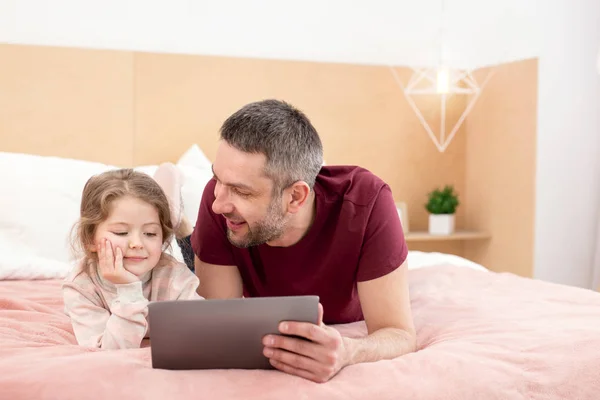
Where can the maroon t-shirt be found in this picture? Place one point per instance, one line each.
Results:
(356, 236)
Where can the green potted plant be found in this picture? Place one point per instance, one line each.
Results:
(442, 206)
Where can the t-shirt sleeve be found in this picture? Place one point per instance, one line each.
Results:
(209, 239)
(384, 246)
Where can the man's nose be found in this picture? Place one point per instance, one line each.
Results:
(222, 204)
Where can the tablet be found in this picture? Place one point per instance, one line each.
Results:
(221, 334)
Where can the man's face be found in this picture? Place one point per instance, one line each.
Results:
(244, 196)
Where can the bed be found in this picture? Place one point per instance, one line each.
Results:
(481, 334)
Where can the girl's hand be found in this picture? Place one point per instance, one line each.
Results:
(111, 267)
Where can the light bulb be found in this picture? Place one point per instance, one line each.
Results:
(443, 80)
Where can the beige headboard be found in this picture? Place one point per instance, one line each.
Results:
(130, 108)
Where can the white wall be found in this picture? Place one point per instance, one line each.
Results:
(396, 32)
(568, 152)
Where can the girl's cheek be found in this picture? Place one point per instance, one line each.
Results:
(121, 243)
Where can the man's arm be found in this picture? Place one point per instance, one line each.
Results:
(386, 307)
(218, 281)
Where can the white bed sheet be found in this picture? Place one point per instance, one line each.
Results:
(420, 259)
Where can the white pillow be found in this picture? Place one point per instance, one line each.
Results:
(194, 157)
(39, 203)
(194, 181)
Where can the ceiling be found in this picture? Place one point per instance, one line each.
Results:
(388, 32)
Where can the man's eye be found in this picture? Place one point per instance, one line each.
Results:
(241, 194)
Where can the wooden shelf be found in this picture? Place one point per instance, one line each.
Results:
(458, 235)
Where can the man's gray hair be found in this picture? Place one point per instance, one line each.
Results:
(283, 134)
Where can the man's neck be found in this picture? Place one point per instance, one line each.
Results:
(299, 225)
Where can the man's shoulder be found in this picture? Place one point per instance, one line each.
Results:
(350, 183)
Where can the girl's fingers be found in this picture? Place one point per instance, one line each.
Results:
(101, 253)
(109, 258)
(119, 259)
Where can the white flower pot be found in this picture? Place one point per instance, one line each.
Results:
(441, 224)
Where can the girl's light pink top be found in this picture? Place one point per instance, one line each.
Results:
(112, 316)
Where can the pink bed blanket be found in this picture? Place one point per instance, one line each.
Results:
(481, 336)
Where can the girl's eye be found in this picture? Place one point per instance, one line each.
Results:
(151, 234)
(120, 233)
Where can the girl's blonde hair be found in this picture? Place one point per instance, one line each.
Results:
(98, 194)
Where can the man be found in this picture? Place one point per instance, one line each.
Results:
(274, 222)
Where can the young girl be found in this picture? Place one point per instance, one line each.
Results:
(125, 227)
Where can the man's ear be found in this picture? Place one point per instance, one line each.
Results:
(298, 194)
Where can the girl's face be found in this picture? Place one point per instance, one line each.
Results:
(133, 226)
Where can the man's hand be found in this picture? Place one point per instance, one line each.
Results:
(111, 267)
(318, 359)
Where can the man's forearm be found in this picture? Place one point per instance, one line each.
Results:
(383, 344)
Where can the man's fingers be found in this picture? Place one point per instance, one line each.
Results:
(291, 359)
(309, 363)
(297, 371)
(312, 332)
(294, 345)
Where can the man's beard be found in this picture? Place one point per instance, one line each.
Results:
(270, 228)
